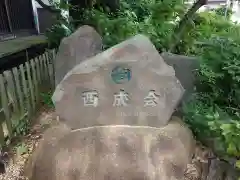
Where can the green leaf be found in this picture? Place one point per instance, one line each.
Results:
(226, 127)
(232, 150)
(238, 165)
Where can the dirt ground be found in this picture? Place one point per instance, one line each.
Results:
(47, 118)
(15, 165)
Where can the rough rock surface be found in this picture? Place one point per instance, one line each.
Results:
(85, 42)
(128, 84)
(114, 152)
(50, 138)
(184, 67)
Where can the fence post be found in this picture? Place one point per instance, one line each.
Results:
(41, 68)
(54, 65)
(11, 90)
(25, 91)
(45, 59)
(29, 80)
(35, 83)
(5, 106)
(19, 91)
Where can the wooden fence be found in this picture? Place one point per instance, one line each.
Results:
(20, 90)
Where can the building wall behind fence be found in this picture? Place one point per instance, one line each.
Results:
(20, 91)
(46, 18)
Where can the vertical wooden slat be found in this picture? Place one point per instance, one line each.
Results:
(5, 106)
(38, 69)
(27, 57)
(25, 91)
(45, 68)
(12, 91)
(53, 57)
(35, 84)
(19, 91)
(38, 73)
(30, 83)
(54, 54)
(53, 66)
(41, 68)
(54, 63)
(2, 138)
(49, 69)
(51, 72)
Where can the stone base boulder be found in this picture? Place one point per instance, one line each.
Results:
(113, 152)
(50, 138)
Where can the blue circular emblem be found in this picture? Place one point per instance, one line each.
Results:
(121, 74)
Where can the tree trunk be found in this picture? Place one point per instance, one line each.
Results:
(49, 8)
(179, 30)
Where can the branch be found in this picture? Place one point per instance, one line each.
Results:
(179, 30)
(49, 8)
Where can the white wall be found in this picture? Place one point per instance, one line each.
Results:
(64, 13)
(236, 9)
(236, 12)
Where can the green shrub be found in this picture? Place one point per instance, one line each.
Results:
(154, 18)
(47, 99)
(56, 33)
(213, 113)
(63, 27)
(222, 11)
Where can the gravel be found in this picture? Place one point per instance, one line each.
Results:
(14, 171)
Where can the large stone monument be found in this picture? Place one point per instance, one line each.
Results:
(116, 113)
(128, 84)
(85, 42)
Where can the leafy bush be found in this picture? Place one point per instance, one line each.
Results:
(56, 33)
(63, 26)
(222, 11)
(205, 26)
(154, 18)
(214, 126)
(213, 113)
